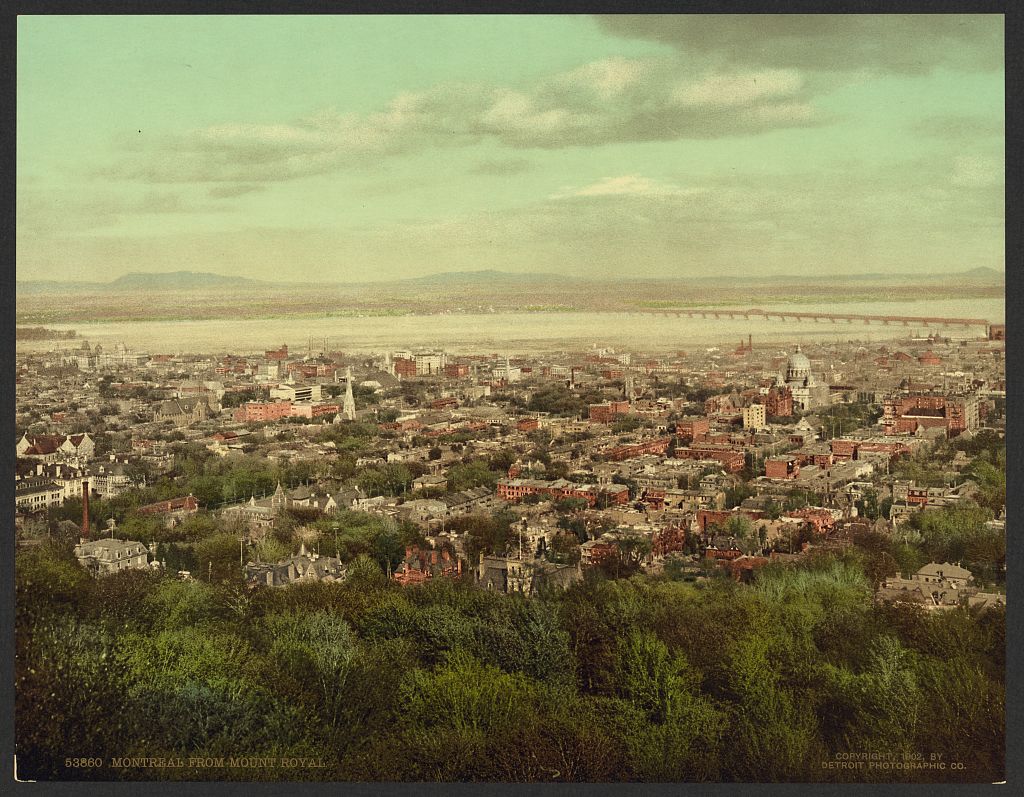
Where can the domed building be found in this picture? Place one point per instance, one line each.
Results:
(807, 392)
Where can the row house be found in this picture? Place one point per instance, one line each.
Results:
(844, 449)
(904, 414)
(731, 460)
(518, 489)
(658, 447)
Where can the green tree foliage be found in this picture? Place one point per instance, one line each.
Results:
(637, 678)
(476, 473)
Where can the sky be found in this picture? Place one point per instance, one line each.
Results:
(355, 148)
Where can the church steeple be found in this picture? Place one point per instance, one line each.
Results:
(349, 407)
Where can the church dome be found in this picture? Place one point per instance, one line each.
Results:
(798, 366)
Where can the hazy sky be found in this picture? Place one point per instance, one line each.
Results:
(355, 147)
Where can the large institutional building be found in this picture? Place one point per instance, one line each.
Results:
(807, 392)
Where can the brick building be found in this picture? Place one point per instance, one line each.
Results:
(731, 460)
(608, 412)
(262, 411)
(785, 467)
(517, 489)
(692, 428)
(905, 414)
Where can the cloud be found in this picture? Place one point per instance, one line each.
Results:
(614, 100)
(502, 166)
(48, 212)
(861, 217)
(977, 171)
(899, 43)
(728, 91)
(228, 191)
(626, 185)
(958, 127)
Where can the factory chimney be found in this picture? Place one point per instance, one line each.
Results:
(85, 510)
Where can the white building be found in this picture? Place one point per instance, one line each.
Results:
(430, 363)
(754, 417)
(806, 390)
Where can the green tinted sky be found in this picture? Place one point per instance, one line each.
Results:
(333, 148)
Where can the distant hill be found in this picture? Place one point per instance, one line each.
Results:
(179, 281)
(184, 281)
(161, 281)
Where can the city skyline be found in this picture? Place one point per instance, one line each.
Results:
(369, 148)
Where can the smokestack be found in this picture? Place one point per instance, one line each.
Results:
(85, 509)
(750, 342)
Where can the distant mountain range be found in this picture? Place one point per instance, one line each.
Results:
(184, 281)
(162, 281)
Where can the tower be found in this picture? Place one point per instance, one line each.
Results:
(349, 407)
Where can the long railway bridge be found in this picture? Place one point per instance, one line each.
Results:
(793, 315)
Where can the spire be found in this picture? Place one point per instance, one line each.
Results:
(349, 407)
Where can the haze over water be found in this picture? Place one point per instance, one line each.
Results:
(522, 332)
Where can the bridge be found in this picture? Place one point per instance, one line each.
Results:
(793, 315)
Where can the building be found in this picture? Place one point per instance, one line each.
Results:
(422, 565)
(104, 556)
(296, 393)
(518, 489)
(523, 576)
(404, 367)
(56, 448)
(909, 497)
(778, 402)
(806, 391)
(182, 412)
(262, 411)
(731, 460)
(456, 370)
(657, 446)
(938, 586)
(303, 567)
(755, 417)
(608, 411)
(692, 428)
(173, 510)
(430, 481)
(36, 494)
(906, 414)
(783, 467)
(430, 363)
(312, 411)
(110, 479)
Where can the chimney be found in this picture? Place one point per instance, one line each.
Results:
(85, 509)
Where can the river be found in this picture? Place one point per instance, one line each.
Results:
(520, 332)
